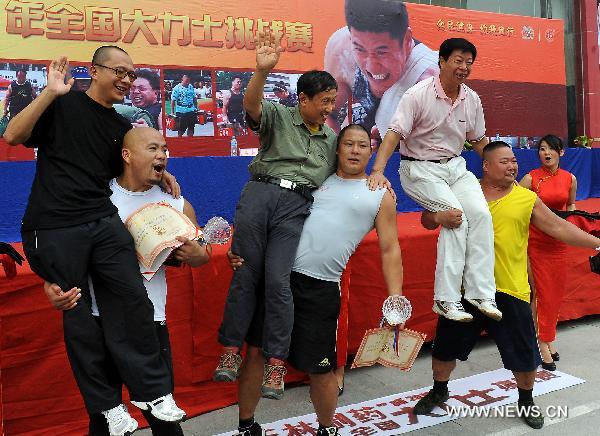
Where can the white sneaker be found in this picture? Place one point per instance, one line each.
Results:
(120, 422)
(487, 307)
(163, 408)
(453, 310)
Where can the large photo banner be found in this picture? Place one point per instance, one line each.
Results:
(194, 60)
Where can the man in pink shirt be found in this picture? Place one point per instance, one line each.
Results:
(432, 122)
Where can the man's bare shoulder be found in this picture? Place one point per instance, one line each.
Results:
(338, 56)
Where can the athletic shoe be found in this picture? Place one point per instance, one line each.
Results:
(531, 414)
(272, 386)
(453, 310)
(426, 404)
(120, 422)
(163, 408)
(254, 430)
(228, 368)
(487, 307)
(328, 431)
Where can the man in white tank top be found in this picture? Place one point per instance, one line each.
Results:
(145, 159)
(343, 212)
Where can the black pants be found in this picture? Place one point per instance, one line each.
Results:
(104, 250)
(187, 122)
(268, 224)
(98, 425)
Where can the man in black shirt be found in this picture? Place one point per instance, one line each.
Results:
(233, 106)
(19, 94)
(71, 230)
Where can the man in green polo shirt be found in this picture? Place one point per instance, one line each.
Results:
(297, 153)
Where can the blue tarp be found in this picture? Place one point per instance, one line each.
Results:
(213, 184)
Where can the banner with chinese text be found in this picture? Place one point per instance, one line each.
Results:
(519, 72)
(392, 415)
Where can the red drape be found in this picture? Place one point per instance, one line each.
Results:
(39, 395)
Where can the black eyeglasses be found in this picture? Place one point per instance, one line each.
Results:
(120, 72)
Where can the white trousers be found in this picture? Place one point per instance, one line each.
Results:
(465, 255)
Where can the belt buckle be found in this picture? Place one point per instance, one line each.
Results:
(445, 160)
(287, 184)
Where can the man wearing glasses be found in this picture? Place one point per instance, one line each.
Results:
(71, 230)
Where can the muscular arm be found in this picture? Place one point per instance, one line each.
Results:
(551, 224)
(391, 255)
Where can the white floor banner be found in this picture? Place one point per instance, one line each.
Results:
(489, 394)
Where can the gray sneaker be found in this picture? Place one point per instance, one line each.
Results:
(273, 386)
(228, 368)
(487, 307)
(453, 310)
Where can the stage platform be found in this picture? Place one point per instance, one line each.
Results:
(38, 392)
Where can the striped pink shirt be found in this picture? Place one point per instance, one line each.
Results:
(434, 128)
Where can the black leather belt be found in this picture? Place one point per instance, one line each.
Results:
(442, 161)
(303, 190)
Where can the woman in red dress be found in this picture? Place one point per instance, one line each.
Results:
(556, 188)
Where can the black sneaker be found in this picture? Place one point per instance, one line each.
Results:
(426, 404)
(254, 430)
(531, 414)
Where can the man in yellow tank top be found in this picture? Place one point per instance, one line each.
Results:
(513, 208)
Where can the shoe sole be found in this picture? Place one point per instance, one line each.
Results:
(159, 416)
(491, 315)
(496, 316)
(225, 377)
(271, 394)
(129, 432)
(549, 366)
(445, 315)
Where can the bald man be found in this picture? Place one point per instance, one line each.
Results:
(144, 156)
(71, 230)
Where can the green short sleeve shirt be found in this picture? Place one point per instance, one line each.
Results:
(289, 150)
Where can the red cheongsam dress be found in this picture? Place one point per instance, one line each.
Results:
(547, 255)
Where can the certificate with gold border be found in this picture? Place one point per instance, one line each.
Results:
(155, 228)
(378, 346)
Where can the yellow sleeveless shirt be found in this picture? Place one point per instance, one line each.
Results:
(511, 215)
